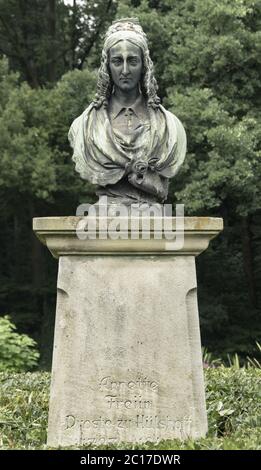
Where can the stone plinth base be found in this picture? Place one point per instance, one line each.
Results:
(127, 361)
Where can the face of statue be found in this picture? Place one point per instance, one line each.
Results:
(125, 63)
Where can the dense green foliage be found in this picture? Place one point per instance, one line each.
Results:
(233, 403)
(207, 61)
(17, 352)
(45, 38)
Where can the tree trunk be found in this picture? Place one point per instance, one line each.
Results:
(248, 260)
(51, 6)
(74, 34)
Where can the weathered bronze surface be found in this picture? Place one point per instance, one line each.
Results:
(126, 142)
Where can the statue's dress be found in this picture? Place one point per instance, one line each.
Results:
(104, 151)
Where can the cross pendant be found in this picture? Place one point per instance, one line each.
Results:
(128, 115)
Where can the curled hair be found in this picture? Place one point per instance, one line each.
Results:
(148, 81)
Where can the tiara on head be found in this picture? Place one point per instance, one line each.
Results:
(130, 22)
(126, 24)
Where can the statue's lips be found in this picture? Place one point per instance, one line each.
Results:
(125, 79)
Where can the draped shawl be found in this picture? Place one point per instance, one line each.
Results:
(101, 155)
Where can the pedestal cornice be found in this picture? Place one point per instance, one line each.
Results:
(67, 235)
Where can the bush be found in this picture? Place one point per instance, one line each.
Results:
(233, 404)
(17, 352)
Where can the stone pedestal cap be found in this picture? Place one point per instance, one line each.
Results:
(108, 236)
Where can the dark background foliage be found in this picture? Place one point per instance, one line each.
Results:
(207, 62)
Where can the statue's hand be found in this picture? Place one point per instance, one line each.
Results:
(135, 180)
(139, 167)
(128, 168)
(153, 161)
(151, 183)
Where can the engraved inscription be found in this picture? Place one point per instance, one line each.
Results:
(135, 403)
(138, 421)
(128, 394)
(140, 384)
(103, 429)
(130, 411)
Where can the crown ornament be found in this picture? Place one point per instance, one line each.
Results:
(126, 24)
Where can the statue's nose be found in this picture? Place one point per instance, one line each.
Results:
(125, 69)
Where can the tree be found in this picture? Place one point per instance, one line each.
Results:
(43, 39)
(37, 178)
(208, 55)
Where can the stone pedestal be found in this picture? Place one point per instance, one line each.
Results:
(127, 361)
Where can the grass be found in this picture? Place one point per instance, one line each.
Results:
(233, 402)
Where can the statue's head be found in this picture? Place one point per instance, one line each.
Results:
(126, 43)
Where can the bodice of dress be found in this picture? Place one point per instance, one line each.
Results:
(128, 123)
(127, 119)
(129, 152)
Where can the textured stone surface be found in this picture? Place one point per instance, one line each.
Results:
(59, 234)
(127, 359)
(127, 355)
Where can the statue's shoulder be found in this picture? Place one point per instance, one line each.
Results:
(169, 115)
(173, 121)
(80, 121)
(86, 112)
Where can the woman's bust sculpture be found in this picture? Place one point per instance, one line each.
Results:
(126, 142)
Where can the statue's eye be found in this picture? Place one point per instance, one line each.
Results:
(133, 61)
(116, 61)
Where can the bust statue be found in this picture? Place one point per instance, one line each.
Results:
(126, 142)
